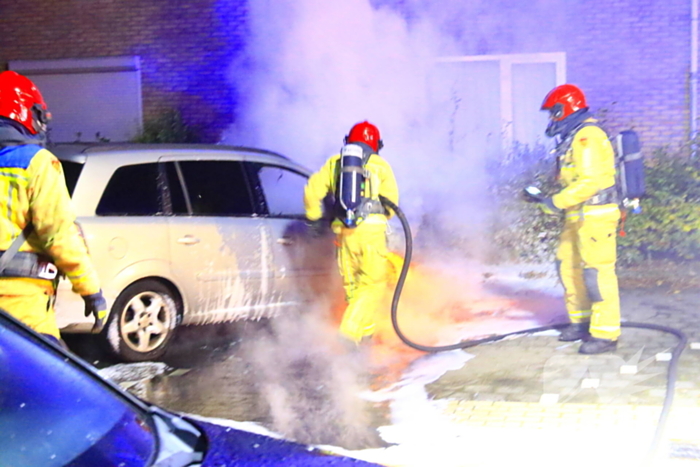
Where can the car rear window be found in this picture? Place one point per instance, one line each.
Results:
(71, 170)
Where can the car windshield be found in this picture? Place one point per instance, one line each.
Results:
(54, 413)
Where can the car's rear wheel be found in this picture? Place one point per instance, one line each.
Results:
(142, 322)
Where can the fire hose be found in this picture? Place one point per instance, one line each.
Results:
(672, 367)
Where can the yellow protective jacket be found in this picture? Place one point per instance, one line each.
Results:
(34, 190)
(381, 182)
(586, 168)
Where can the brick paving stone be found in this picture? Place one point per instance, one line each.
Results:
(577, 416)
(509, 378)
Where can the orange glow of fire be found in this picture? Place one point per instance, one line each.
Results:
(437, 304)
(431, 302)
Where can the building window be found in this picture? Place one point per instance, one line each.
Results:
(497, 98)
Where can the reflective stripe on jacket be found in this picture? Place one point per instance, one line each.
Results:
(34, 190)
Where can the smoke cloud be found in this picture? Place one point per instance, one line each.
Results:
(312, 69)
(311, 381)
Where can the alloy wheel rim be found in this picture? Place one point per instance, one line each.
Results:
(145, 322)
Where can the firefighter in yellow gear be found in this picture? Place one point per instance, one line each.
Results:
(587, 249)
(356, 178)
(38, 235)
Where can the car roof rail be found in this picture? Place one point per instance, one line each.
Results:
(78, 148)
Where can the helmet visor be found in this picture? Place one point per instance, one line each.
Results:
(556, 112)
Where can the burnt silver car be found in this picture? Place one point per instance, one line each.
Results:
(184, 235)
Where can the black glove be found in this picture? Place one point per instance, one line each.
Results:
(547, 206)
(532, 194)
(95, 304)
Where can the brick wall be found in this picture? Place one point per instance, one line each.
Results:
(186, 47)
(631, 57)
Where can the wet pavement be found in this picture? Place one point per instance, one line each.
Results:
(300, 383)
(532, 394)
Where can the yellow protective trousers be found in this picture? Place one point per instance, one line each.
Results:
(31, 302)
(586, 262)
(364, 265)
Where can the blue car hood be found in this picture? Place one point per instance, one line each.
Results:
(230, 447)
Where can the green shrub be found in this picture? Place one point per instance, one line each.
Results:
(669, 225)
(667, 228)
(168, 127)
(520, 231)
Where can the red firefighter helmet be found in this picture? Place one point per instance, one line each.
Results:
(564, 100)
(365, 132)
(21, 101)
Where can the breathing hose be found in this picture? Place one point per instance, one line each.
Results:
(672, 367)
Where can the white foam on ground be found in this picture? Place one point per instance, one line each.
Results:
(524, 277)
(423, 434)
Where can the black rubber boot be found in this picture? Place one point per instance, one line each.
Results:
(595, 345)
(574, 332)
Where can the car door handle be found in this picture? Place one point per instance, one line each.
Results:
(285, 241)
(188, 240)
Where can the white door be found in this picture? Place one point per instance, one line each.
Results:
(530, 84)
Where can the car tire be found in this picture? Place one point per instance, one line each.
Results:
(142, 322)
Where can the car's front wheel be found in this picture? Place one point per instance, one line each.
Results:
(142, 322)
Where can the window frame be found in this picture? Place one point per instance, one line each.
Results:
(260, 200)
(183, 186)
(161, 192)
(506, 63)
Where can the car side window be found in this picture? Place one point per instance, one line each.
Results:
(133, 190)
(282, 190)
(213, 188)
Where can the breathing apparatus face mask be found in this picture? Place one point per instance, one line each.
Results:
(562, 127)
(553, 127)
(41, 120)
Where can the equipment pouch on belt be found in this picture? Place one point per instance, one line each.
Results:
(30, 265)
(606, 196)
(371, 206)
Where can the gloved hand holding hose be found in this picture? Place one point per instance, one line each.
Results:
(95, 304)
